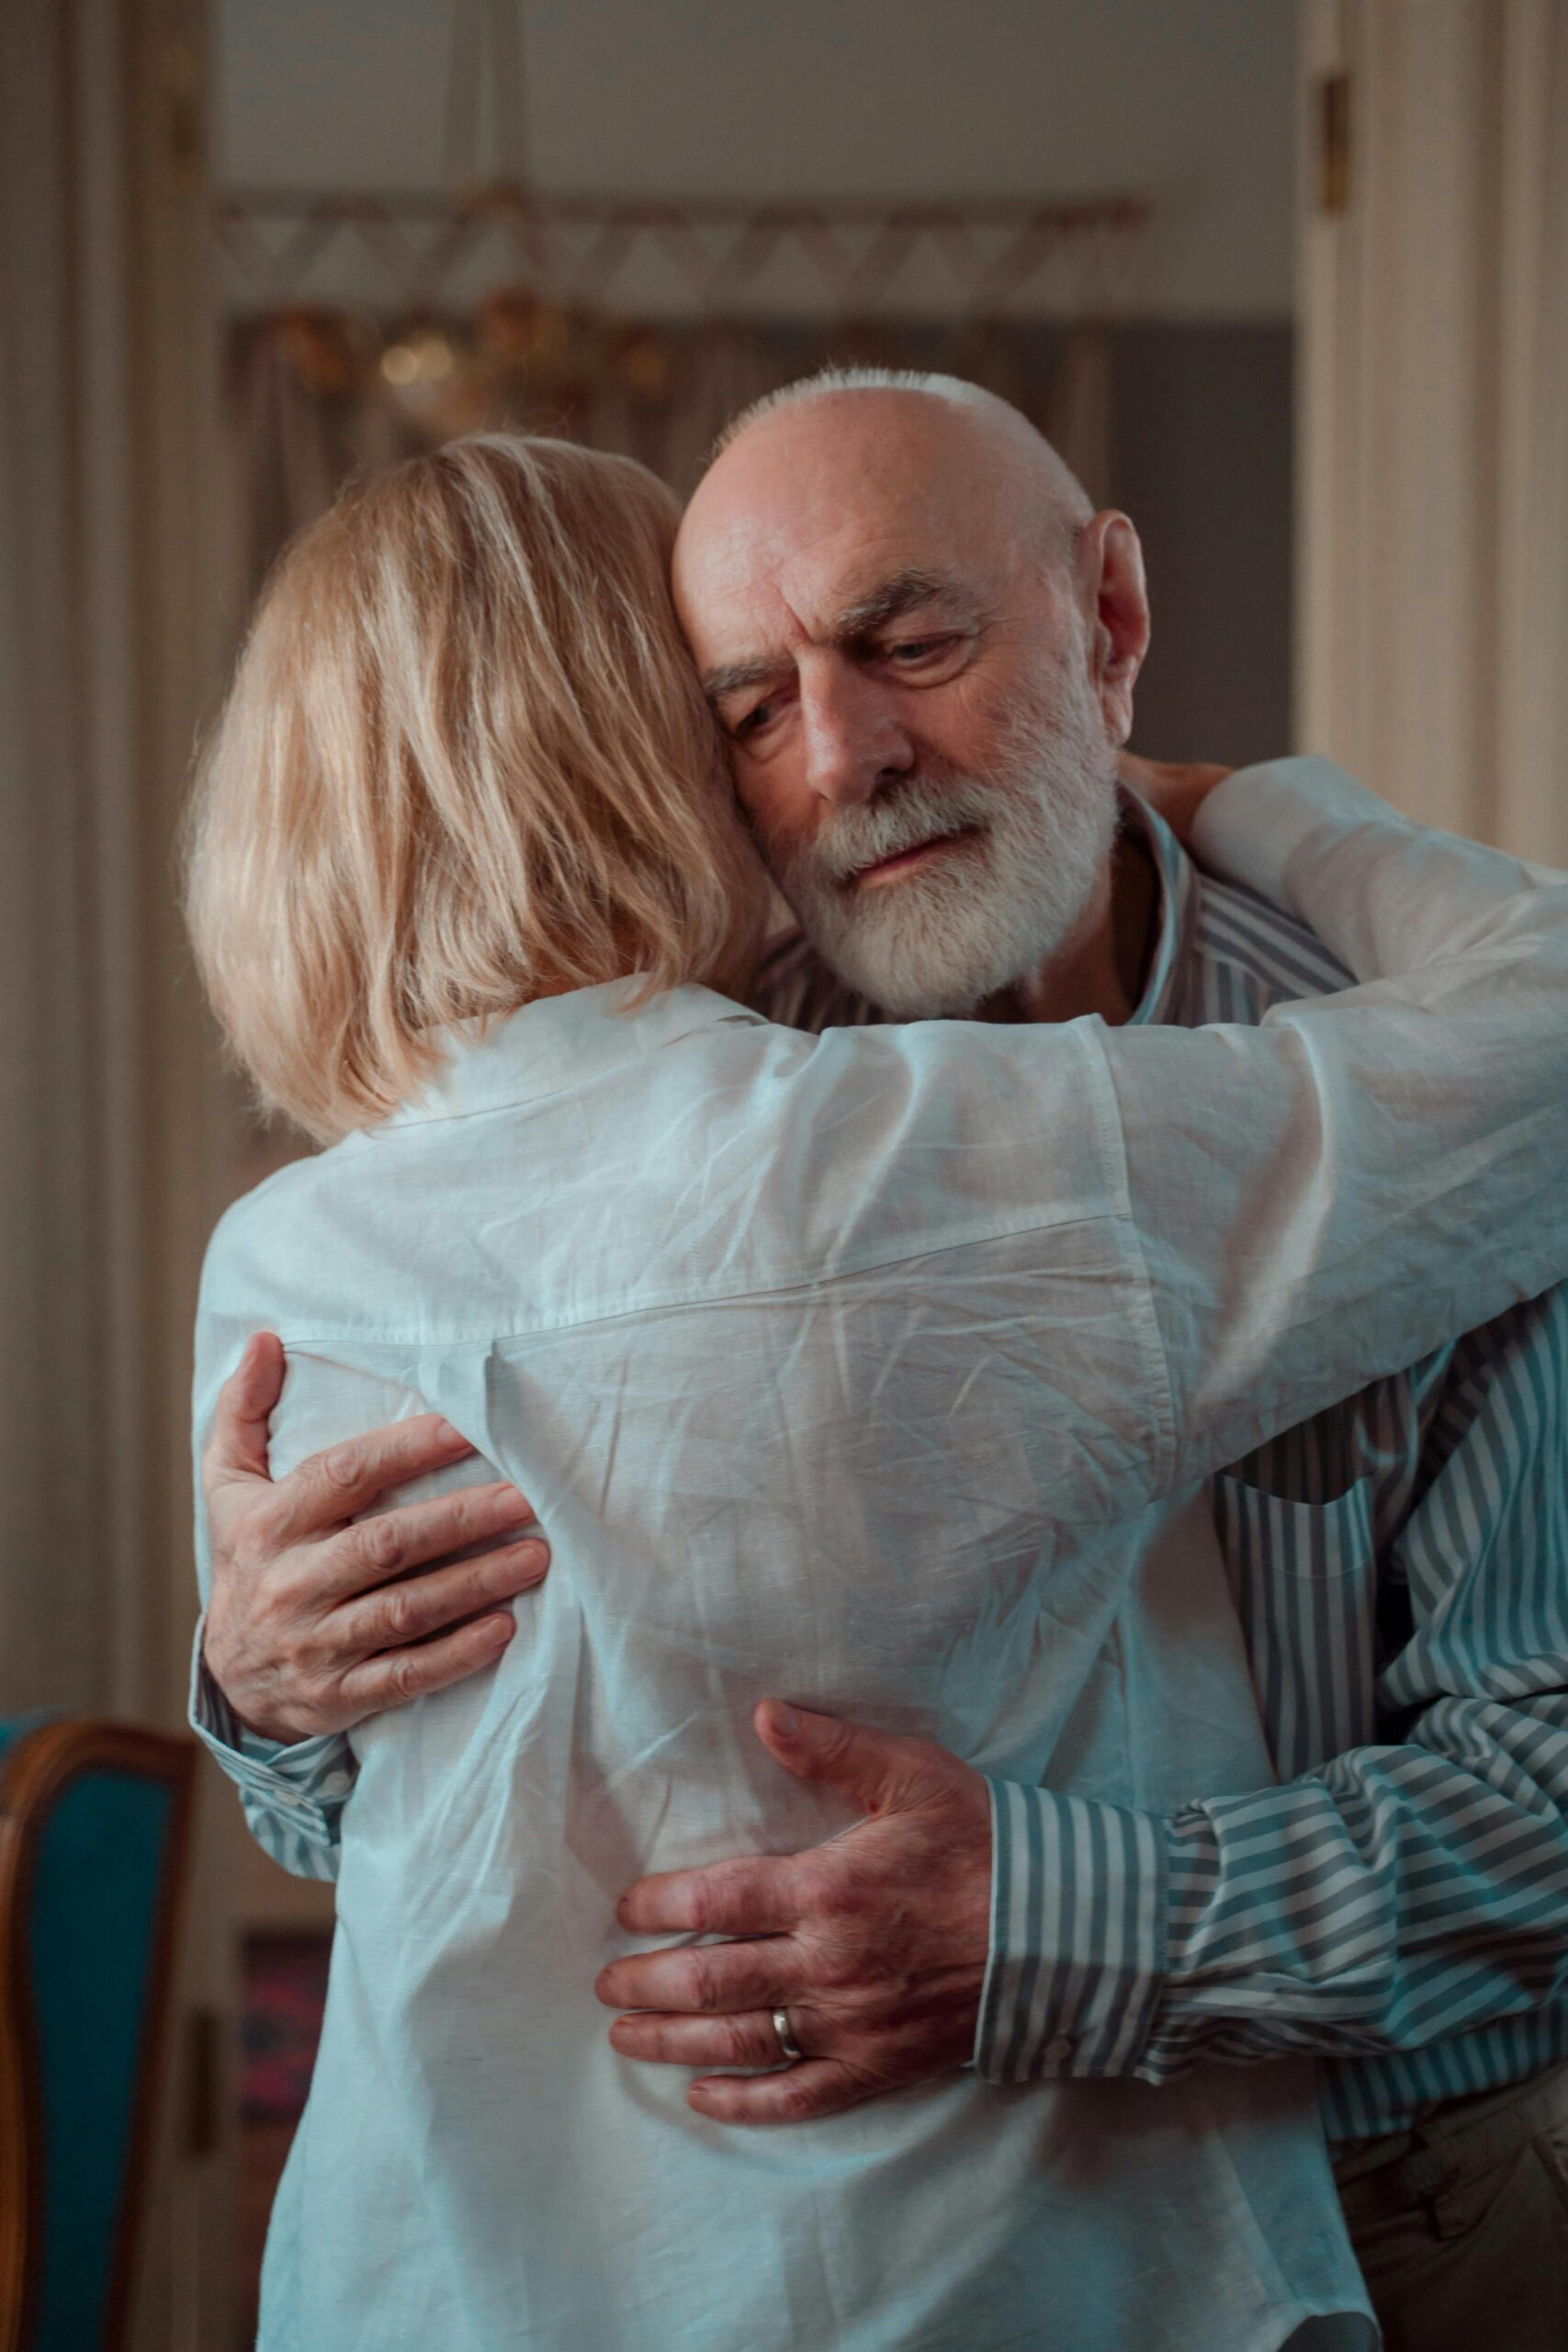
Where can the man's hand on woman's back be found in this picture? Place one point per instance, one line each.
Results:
(873, 1947)
(316, 1619)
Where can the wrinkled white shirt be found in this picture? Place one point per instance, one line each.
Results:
(878, 1371)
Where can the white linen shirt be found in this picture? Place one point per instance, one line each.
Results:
(878, 1371)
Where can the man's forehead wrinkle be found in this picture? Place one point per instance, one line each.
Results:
(746, 558)
(768, 583)
(755, 666)
(893, 595)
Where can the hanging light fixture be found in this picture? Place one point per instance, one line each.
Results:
(523, 345)
(547, 317)
(486, 53)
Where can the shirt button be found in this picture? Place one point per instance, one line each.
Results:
(1059, 2049)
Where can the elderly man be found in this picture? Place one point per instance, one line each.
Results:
(923, 645)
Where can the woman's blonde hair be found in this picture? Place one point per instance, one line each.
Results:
(464, 763)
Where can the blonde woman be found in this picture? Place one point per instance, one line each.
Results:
(879, 1369)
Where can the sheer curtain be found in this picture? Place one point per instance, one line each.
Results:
(107, 1092)
(106, 631)
(1433, 417)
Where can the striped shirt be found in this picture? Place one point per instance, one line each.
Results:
(1398, 1905)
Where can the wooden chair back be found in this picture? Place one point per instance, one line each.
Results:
(94, 1827)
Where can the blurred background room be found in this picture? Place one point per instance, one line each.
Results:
(1289, 283)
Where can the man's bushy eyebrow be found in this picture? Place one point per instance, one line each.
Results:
(736, 676)
(901, 594)
(904, 591)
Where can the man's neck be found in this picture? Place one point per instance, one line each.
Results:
(1103, 967)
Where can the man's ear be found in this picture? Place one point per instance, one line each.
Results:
(1116, 600)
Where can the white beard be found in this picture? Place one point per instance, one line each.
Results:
(937, 942)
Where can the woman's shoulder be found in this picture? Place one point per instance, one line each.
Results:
(279, 1249)
(276, 1196)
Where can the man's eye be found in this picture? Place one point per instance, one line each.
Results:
(913, 651)
(754, 720)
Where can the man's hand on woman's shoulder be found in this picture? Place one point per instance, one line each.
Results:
(315, 1618)
(1175, 789)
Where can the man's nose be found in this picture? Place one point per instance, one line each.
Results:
(854, 740)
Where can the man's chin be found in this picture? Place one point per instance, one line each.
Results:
(918, 995)
(939, 948)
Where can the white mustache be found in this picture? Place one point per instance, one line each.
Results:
(920, 812)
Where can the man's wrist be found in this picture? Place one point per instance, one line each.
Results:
(225, 1730)
(1078, 1933)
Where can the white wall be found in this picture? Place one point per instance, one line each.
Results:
(1191, 100)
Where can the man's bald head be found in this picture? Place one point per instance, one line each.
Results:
(920, 641)
(991, 437)
(877, 437)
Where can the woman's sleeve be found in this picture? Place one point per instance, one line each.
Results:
(1320, 1200)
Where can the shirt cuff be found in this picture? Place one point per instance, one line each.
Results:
(308, 1780)
(1077, 1960)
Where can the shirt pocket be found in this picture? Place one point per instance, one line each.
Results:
(1304, 1577)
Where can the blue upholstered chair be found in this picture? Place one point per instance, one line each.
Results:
(92, 1822)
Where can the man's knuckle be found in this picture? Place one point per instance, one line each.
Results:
(468, 1517)
(701, 1905)
(703, 1981)
(405, 1678)
(272, 1600)
(340, 1465)
(252, 1558)
(296, 1647)
(737, 2044)
(299, 1639)
(381, 1546)
(300, 1681)
(844, 1895)
(400, 1615)
(839, 1955)
(840, 1969)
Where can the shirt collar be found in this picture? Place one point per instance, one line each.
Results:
(557, 1042)
(1176, 879)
